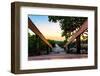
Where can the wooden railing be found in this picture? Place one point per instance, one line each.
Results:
(33, 28)
(79, 32)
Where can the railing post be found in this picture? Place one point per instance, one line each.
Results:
(78, 46)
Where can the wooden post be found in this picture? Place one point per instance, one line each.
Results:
(78, 44)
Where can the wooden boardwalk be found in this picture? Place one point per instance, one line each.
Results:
(58, 56)
(32, 26)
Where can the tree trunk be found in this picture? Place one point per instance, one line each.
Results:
(78, 44)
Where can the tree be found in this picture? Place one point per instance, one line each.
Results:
(36, 46)
(68, 25)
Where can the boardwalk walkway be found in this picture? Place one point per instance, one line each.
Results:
(58, 53)
(58, 56)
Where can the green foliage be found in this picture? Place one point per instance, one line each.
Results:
(60, 43)
(36, 46)
(67, 24)
(31, 41)
(52, 42)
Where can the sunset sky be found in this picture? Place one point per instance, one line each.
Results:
(50, 30)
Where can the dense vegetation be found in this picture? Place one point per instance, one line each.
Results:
(37, 47)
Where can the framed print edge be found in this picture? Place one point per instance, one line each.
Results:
(15, 37)
(96, 38)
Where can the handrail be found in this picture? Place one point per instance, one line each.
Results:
(32, 26)
(80, 31)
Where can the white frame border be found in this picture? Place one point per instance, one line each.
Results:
(25, 64)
